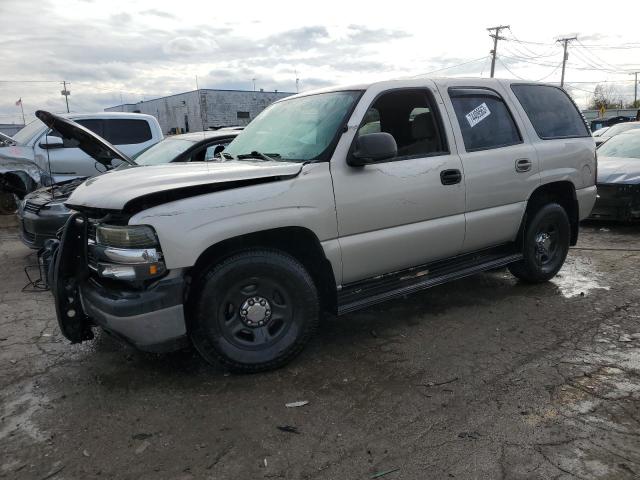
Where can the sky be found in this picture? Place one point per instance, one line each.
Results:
(113, 52)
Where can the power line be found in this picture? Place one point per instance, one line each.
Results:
(447, 68)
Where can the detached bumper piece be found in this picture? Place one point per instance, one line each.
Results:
(617, 202)
(69, 271)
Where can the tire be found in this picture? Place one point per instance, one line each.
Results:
(545, 246)
(8, 205)
(255, 311)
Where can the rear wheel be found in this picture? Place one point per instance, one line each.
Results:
(255, 311)
(546, 244)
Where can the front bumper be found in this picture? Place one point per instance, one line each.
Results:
(149, 318)
(36, 228)
(617, 202)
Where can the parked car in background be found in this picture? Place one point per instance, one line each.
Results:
(599, 123)
(42, 212)
(25, 160)
(599, 132)
(619, 178)
(615, 130)
(310, 214)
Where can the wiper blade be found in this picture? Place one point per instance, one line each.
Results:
(270, 157)
(226, 155)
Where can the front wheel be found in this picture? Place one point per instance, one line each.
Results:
(255, 311)
(546, 244)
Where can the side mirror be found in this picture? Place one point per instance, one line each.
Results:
(372, 148)
(50, 141)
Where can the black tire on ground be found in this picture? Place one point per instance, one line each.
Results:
(8, 205)
(546, 244)
(255, 311)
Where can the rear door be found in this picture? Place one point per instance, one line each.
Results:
(500, 165)
(408, 210)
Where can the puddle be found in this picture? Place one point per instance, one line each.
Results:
(578, 276)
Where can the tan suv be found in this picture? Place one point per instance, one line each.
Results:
(330, 200)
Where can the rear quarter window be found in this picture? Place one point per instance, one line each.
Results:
(552, 113)
(121, 131)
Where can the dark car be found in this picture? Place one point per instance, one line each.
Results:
(615, 130)
(619, 178)
(42, 213)
(599, 123)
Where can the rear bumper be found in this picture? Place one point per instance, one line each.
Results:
(617, 202)
(586, 198)
(151, 320)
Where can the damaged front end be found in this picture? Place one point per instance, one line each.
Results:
(105, 273)
(617, 202)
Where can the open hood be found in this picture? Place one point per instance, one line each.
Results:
(618, 170)
(90, 143)
(164, 183)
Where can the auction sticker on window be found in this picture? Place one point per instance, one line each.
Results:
(478, 114)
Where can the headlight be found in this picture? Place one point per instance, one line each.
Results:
(130, 236)
(129, 252)
(55, 207)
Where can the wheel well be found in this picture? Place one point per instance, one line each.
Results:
(563, 193)
(301, 243)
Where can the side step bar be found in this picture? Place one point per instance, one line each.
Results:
(385, 287)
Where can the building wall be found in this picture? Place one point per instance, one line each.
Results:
(213, 108)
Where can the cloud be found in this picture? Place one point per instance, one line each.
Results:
(362, 34)
(157, 13)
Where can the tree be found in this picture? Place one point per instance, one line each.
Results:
(604, 95)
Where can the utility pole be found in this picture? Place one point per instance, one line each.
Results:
(496, 36)
(635, 88)
(65, 93)
(565, 57)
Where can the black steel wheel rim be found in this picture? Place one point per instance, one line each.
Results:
(546, 243)
(246, 322)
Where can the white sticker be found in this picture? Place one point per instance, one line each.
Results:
(478, 114)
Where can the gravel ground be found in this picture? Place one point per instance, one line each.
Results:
(481, 378)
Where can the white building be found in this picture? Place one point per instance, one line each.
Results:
(203, 109)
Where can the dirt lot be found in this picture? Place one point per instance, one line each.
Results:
(482, 378)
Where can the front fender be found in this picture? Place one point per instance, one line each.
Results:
(187, 227)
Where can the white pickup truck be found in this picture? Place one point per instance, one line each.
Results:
(329, 200)
(25, 158)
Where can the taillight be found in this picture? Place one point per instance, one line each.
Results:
(595, 156)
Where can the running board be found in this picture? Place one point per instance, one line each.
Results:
(362, 294)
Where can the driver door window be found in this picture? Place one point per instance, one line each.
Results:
(406, 115)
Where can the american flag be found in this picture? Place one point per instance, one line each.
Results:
(19, 102)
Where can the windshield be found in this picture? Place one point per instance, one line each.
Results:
(620, 127)
(164, 152)
(300, 129)
(26, 134)
(626, 145)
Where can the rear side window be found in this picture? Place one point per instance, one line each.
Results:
(484, 119)
(121, 131)
(551, 111)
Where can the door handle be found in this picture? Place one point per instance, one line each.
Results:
(450, 177)
(523, 165)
